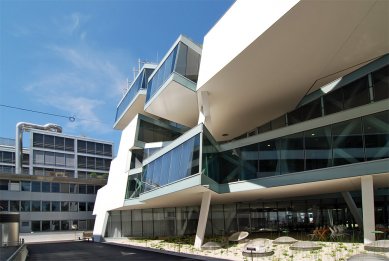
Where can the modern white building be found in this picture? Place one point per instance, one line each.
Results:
(54, 181)
(284, 124)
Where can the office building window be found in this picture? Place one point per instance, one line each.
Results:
(49, 142)
(64, 206)
(55, 206)
(25, 186)
(4, 205)
(46, 206)
(35, 226)
(35, 186)
(35, 206)
(59, 143)
(37, 140)
(381, 83)
(69, 144)
(55, 187)
(81, 146)
(25, 206)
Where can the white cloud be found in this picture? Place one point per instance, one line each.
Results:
(80, 80)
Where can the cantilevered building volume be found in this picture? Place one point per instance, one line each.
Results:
(284, 124)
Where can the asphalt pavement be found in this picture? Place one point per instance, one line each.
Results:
(83, 250)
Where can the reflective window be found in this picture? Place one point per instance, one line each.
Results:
(347, 142)
(161, 75)
(4, 205)
(381, 83)
(39, 157)
(333, 102)
(55, 206)
(356, 93)
(306, 112)
(250, 161)
(376, 131)
(64, 206)
(25, 186)
(269, 154)
(82, 206)
(46, 206)
(59, 143)
(292, 153)
(64, 187)
(14, 206)
(37, 140)
(107, 150)
(35, 186)
(81, 146)
(45, 186)
(35, 206)
(69, 144)
(35, 226)
(25, 205)
(49, 142)
(91, 147)
(318, 151)
(55, 187)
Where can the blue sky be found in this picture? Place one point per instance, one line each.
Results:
(72, 58)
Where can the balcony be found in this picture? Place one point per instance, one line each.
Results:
(133, 101)
(172, 86)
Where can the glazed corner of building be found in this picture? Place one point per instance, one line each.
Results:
(279, 102)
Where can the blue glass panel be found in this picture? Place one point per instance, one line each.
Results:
(130, 95)
(157, 172)
(161, 75)
(186, 158)
(175, 163)
(164, 174)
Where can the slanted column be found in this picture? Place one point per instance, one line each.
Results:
(353, 208)
(203, 217)
(368, 209)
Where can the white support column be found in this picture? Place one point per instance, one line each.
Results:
(203, 217)
(368, 209)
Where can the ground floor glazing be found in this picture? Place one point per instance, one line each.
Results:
(299, 215)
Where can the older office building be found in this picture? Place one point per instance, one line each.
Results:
(54, 185)
(284, 124)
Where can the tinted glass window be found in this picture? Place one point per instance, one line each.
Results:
(250, 161)
(81, 146)
(318, 151)
(55, 206)
(55, 187)
(35, 186)
(376, 130)
(59, 143)
(292, 153)
(45, 186)
(333, 101)
(46, 206)
(347, 142)
(69, 144)
(35, 206)
(269, 164)
(49, 142)
(356, 93)
(37, 140)
(25, 186)
(381, 83)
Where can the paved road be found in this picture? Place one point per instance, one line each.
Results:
(91, 251)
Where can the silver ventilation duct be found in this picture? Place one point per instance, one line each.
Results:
(25, 126)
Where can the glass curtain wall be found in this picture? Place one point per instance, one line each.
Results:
(178, 163)
(139, 83)
(357, 140)
(296, 215)
(182, 60)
